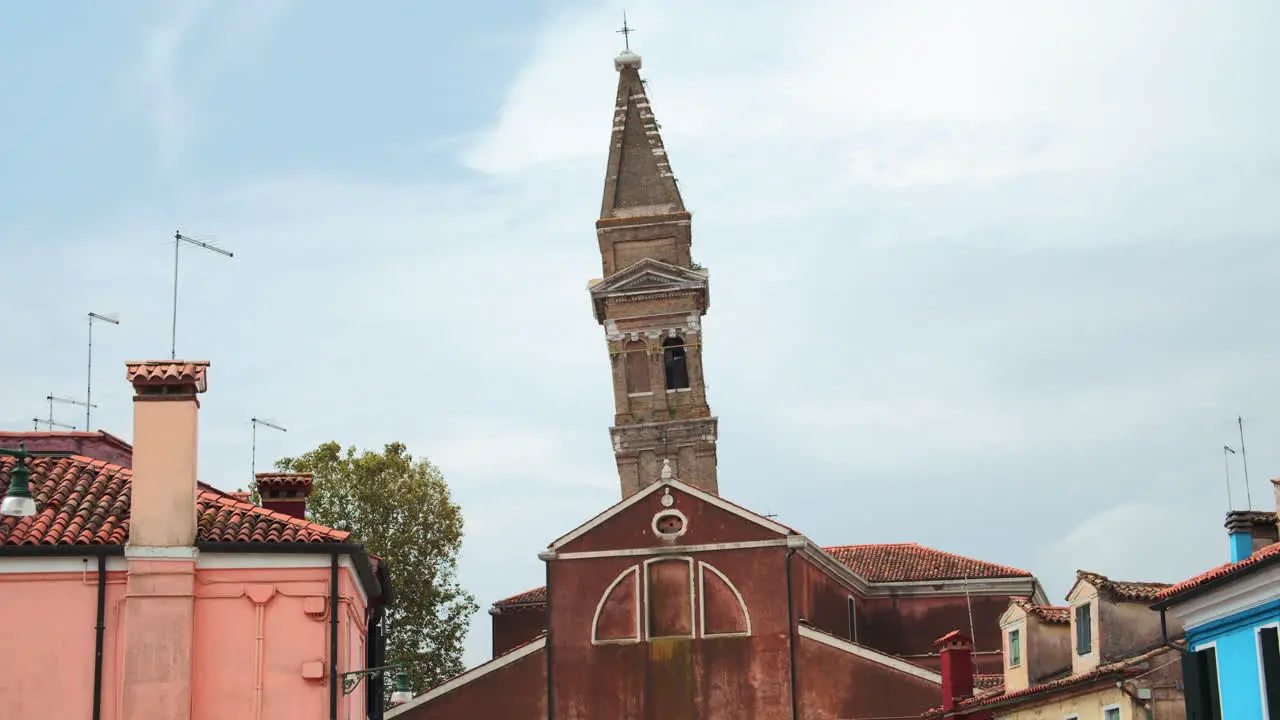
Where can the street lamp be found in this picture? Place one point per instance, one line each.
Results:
(18, 501)
(403, 693)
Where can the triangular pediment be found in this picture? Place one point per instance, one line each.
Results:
(649, 275)
(630, 524)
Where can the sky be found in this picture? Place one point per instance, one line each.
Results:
(994, 277)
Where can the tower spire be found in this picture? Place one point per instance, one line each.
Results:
(638, 179)
(650, 302)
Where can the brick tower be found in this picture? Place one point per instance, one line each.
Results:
(651, 302)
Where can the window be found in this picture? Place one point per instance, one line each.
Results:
(853, 619)
(674, 359)
(1015, 648)
(1084, 629)
(1111, 712)
(1269, 651)
(637, 368)
(1200, 683)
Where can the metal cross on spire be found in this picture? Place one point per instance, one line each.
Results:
(626, 31)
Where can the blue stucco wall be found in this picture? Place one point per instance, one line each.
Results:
(1236, 638)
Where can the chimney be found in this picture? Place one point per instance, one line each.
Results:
(1249, 531)
(957, 668)
(165, 409)
(284, 492)
(158, 624)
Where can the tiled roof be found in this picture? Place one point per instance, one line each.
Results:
(536, 596)
(1123, 590)
(294, 481)
(907, 562)
(1119, 668)
(1046, 613)
(84, 501)
(897, 562)
(988, 682)
(143, 373)
(1222, 572)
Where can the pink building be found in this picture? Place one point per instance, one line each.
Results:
(135, 591)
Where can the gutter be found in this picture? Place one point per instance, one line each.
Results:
(333, 636)
(791, 637)
(551, 698)
(99, 630)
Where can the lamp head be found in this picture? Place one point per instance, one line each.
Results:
(403, 692)
(18, 501)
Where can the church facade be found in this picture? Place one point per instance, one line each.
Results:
(676, 602)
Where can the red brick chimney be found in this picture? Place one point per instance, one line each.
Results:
(957, 668)
(284, 492)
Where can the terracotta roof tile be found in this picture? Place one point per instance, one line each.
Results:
(146, 373)
(536, 596)
(1119, 668)
(898, 562)
(1222, 572)
(1122, 590)
(284, 481)
(1046, 613)
(84, 501)
(907, 562)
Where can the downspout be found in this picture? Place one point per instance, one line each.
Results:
(99, 630)
(333, 636)
(791, 638)
(551, 703)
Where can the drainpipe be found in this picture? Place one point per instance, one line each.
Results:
(333, 636)
(547, 556)
(99, 630)
(791, 634)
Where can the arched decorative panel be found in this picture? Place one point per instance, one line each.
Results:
(723, 611)
(669, 597)
(617, 617)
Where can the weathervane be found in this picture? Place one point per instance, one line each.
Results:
(626, 31)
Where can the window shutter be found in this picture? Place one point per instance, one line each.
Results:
(1270, 640)
(1192, 687)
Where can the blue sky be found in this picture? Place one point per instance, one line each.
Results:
(994, 277)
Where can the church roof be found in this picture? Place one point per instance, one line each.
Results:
(85, 502)
(911, 562)
(638, 178)
(894, 562)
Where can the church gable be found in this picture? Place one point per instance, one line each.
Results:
(670, 514)
(647, 278)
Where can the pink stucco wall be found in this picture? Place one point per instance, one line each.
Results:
(237, 671)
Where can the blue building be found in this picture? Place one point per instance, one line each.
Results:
(1231, 615)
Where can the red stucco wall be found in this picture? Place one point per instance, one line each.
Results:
(834, 684)
(517, 691)
(517, 626)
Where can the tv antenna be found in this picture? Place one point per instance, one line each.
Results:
(66, 401)
(253, 458)
(1244, 459)
(50, 424)
(1226, 468)
(178, 239)
(114, 319)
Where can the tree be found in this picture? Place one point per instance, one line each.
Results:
(400, 508)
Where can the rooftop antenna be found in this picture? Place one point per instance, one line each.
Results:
(114, 319)
(1245, 460)
(50, 424)
(626, 31)
(1226, 468)
(178, 239)
(973, 637)
(253, 458)
(67, 401)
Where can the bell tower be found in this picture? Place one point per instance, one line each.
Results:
(650, 303)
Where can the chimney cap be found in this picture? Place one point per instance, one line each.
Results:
(955, 638)
(188, 374)
(1246, 520)
(284, 481)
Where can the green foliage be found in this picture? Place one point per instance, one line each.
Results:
(400, 508)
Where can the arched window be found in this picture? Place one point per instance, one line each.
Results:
(637, 364)
(677, 368)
